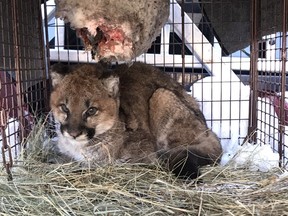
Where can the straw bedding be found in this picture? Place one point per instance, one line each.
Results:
(40, 188)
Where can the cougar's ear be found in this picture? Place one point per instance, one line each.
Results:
(111, 84)
(57, 73)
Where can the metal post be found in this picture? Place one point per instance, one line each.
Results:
(45, 50)
(281, 125)
(253, 71)
(183, 42)
(17, 68)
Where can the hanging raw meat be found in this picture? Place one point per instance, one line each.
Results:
(115, 30)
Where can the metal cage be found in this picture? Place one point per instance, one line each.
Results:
(230, 55)
(23, 73)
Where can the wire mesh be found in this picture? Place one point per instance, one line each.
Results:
(22, 69)
(270, 82)
(225, 53)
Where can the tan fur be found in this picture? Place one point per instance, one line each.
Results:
(154, 102)
(74, 90)
(177, 124)
(137, 85)
(150, 97)
(160, 116)
(79, 90)
(139, 147)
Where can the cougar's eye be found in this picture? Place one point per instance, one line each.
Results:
(91, 111)
(64, 108)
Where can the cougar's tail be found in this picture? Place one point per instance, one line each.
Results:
(185, 163)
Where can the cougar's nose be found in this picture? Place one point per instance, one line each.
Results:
(74, 133)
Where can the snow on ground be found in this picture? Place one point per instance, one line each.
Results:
(11, 132)
(256, 157)
(223, 104)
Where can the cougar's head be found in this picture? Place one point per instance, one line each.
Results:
(83, 104)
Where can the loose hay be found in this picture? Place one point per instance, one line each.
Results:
(65, 189)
